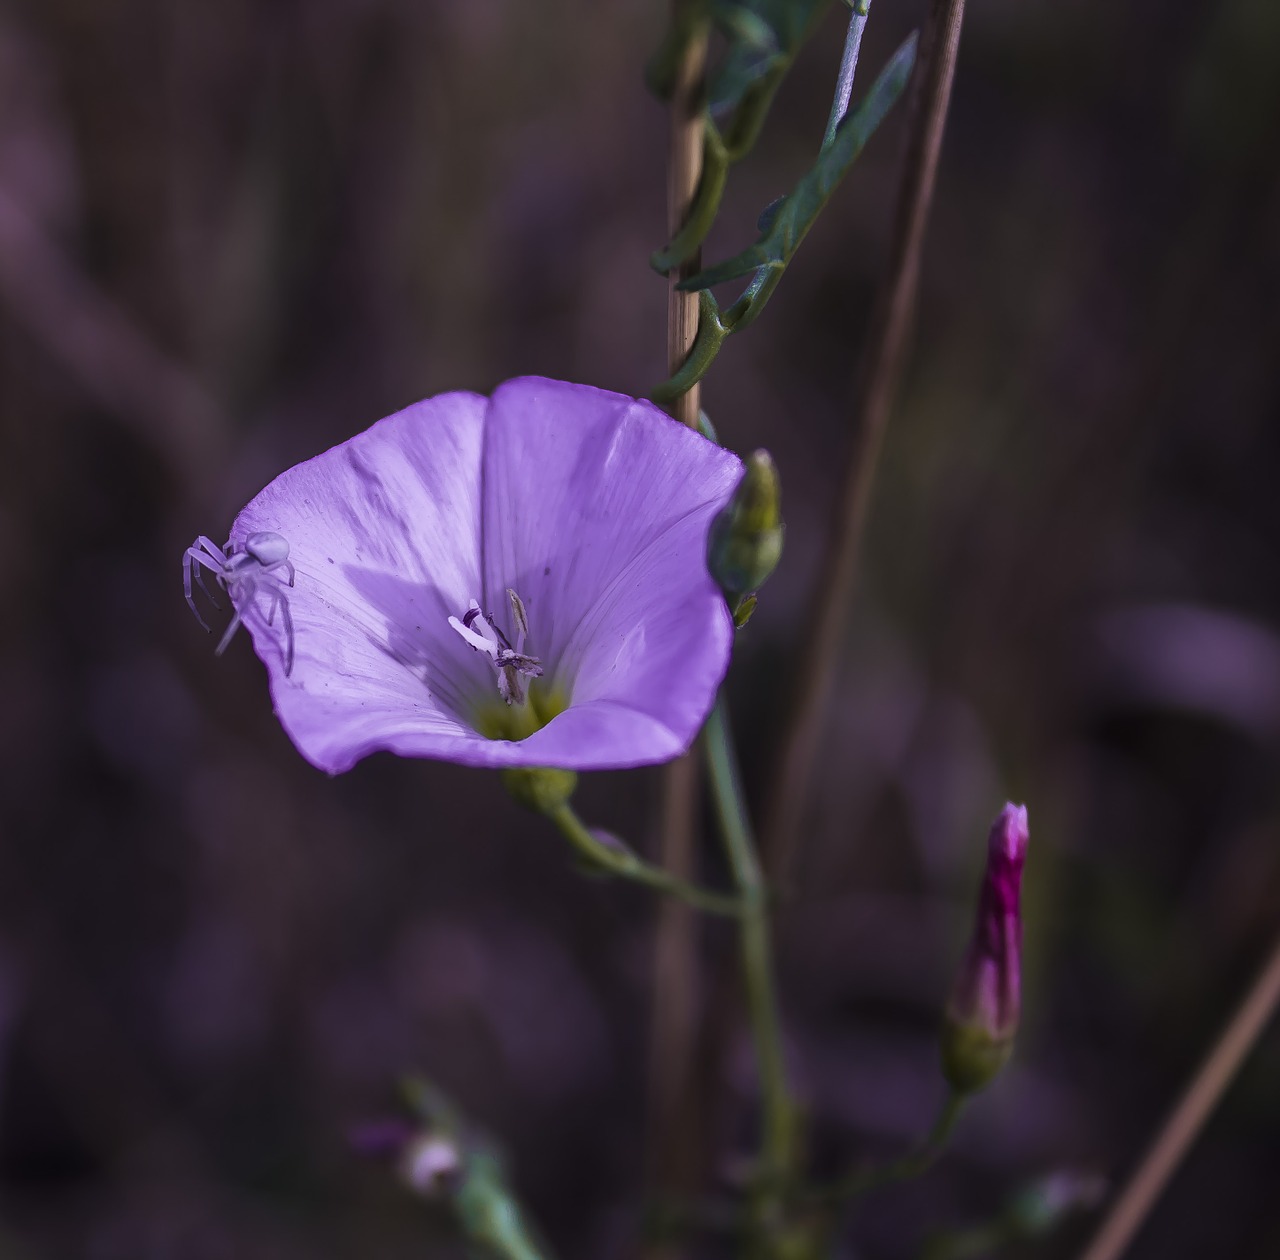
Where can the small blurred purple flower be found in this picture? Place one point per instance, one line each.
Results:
(381, 1139)
(436, 547)
(427, 1162)
(982, 1014)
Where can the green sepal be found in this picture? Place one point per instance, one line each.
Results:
(540, 788)
(972, 1056)
(744, 542)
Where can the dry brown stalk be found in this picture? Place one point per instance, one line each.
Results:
(879, 374)
(673, 1138)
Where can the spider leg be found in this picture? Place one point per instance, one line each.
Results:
(280, 600)
(199, 562)
(186, 585)
(288, 564)
(246, 588)
(286, 620)
(232, 626)
(203, 541)
(205, 589)
(188, 567)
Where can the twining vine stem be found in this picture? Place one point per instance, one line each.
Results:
(881, 368)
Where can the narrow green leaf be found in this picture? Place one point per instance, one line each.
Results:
(791, 19)
(744, 26)
(752, 56)
(740, 71)
(793, 218)
(768, 214)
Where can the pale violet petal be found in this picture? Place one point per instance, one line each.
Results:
(600, 735)
(659, 637)
(383, 532)
(597, 736)
(578, 482)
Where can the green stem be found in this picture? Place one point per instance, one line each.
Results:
(747, 308)
(720, 151)
(622, 862)
(491, 1216)
(905, 1169)
(756, 947)
(706, 204)
(848, 64)
(711, 333)
(714, 325)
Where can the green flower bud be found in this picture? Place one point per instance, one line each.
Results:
(540, 789)
(745, 541)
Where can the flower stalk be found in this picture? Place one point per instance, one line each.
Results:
(611, 857)
(755, 945)
(907, 1168)
(879, 372)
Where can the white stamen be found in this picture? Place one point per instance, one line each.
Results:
(489, 646)
(480, 630)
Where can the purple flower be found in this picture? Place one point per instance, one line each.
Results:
(986, 1002)
(507, 581)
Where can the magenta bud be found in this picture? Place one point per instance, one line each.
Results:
(982, 1013)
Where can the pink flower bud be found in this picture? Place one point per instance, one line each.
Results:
(982, 1013)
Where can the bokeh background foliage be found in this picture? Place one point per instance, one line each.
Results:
(232, 235)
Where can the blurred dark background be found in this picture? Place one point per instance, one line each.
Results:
(232, 235)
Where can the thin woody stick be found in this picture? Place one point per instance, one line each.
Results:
(877, 385)
(673, 1141)
(682, 183)
(1189, 1115)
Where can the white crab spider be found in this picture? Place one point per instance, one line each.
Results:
(240, 570)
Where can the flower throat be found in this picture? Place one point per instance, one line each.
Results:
(526, 707)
